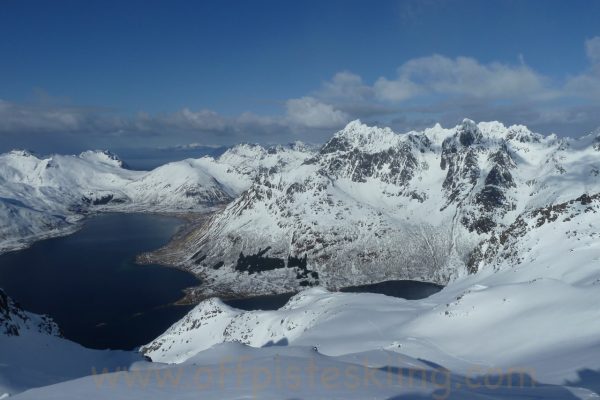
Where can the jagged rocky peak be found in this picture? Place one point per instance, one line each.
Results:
(293, 146)
(300, 146)
(453, 147)
(522, 134)
(464, 157)
(253, 159)
(243, 150)
(342, 212)
(22, 153)
(356, 135)
(359, 152)
(468, 133)
(103, 157)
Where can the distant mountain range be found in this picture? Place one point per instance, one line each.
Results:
(368, 205)
(371, 204)
(46, 196)
(507, 218)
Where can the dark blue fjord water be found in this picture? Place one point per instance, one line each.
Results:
(89, 283)
(405, 289)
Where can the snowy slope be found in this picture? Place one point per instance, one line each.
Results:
(372, 205)
(234, 371)
(531, 304)
(33, 354)
(504, 333)
(527, 330)
(526, 313)
(510, 218)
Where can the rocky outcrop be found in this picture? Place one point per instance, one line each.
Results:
(14, 320)
(372, 204)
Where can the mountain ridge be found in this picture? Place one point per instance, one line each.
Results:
(368, 205)
(373, 205)
(45, 196)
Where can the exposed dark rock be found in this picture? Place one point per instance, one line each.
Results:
(499, 177)
(469, 133)
(337, 143)
(13, 318)
(199, 259)
(585, 199)
(258, 262)
(399, 164)
(486, 250)
(96, 201)
(218, 265)
(463, 172)
(481, 225)
(490, 198)
(3, 303)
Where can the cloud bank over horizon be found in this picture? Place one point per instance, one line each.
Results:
(423, 91)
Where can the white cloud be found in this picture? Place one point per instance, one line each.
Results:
(312, 113)
(210, 122)
(185, 119)
(448, 89)
(346, 86)
(16, 118)
(433, 88)
(592, 49)
(396, 90)
(587, 84)
(462, 76)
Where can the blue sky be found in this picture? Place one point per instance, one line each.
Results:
(116, 74)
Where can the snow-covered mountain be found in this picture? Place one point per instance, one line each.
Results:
(508, 218)
(372, 205)
(33, 353)
(538, 279)
(45, 196)
(524, 325)
(528, 306)
(369, 205)
(342, 346)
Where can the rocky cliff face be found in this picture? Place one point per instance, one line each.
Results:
(372, 205)
(14, 321)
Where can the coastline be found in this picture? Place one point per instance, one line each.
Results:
(170, 254)
(8, 246)
(76, 222)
